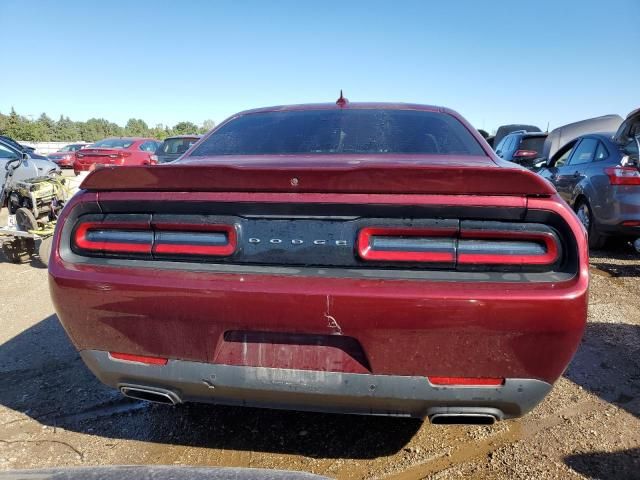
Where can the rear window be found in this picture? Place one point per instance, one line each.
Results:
(113, 143)
(532, 143)
(370, 131)
(176, 146)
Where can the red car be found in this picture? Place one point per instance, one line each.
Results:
(116, 151)
(354, 258)
(65, 157)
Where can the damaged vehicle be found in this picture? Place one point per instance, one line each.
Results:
(598, 174)
(362, 258)
(34, 192)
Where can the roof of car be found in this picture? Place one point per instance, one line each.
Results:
(135, 139)
(347, 106)
(195, 135)
(600, 135)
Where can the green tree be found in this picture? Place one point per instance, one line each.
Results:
(185, 128)
(207, 125)
(136, 127)
(44, 129)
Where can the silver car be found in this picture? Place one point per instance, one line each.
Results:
(18, 166)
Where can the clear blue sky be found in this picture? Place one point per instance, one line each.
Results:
(495, 62)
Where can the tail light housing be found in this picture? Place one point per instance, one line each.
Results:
(525, 153)
(623, 175)
(96, 237)
(472, 244)
(407, 244)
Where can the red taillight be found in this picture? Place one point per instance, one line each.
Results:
(407, 244)
(507, 247)
(185, 239)
(468, 245)
(114, 237)
(127, 357)
(525, 153)
(466, 381)
(623, 175)
(120, 237)
(631, 223)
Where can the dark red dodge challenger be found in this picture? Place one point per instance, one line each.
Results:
(354, 258)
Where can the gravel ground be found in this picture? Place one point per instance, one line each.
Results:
(53, 412)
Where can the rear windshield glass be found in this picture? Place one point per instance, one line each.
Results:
(175, 146)
(532, 143)
(113, 143)
(369, 131)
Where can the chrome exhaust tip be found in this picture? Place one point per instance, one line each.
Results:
(462, 419)
(636, 245)
(464, 415)
(148, 394)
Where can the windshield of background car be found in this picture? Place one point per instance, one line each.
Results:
(532, 143)
(175, 146)
(357, 131)
(113, 143)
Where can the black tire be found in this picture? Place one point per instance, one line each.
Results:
(26, 220)
(583, 210)
(44, 250)
(18, 250)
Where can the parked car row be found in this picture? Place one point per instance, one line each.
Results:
(593, 165)
(122, 151)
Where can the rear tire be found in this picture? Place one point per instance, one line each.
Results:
(44, 250)
(584, 213)
(26, 220)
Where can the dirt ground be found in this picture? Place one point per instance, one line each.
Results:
(53, 412)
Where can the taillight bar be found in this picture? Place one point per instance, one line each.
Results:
(157, 239)
(391, 244)
(507, 247)
(128, 357)
(120, 237)
(466, 381)
(201, 239)
(465, 246)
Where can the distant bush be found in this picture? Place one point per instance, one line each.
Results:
(45, 129)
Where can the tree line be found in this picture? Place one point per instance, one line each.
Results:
(45, 129)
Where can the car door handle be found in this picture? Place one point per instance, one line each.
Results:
(576, 174)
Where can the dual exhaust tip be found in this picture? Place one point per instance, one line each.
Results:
(436, 415)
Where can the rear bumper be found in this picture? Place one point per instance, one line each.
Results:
(315, 391)
(622, 207)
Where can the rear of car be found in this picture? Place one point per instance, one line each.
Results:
(173, 148)
(353, 258)
(65, 157)
(119, 151)
(523, 148)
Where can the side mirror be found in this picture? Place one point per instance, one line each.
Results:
(14, 162)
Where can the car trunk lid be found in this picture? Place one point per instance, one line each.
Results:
(100, 155)
(387, 174)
